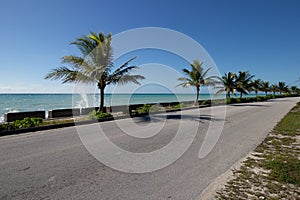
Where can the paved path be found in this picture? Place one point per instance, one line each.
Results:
(54, 164)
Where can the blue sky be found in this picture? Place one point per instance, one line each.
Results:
(260, 36)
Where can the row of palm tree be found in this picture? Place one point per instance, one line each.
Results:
(243, 82)
(95, 66)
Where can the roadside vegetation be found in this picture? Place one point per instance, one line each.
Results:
(99, 115)
(148, 108)
(145, 109)
(24, 123)
(272, 171)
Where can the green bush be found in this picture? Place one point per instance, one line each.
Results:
(178, 106)
(6, 127)
(228, 100)
(146, 108)
(24, 123)
(27, 122)
(99, 115)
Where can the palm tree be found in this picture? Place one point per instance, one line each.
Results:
(197, 77)
(95, 65)
(265, 87)
(286, 90)
(274, 88)
(243, 82)
(281, 87)
(256, 84)
(228, 84)
(294, 89)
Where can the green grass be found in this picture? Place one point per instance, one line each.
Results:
(290, 124)
(284, 169)
(278, 161)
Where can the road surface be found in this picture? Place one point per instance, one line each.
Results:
(54, 164)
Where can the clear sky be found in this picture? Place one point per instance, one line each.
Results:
(260, 36)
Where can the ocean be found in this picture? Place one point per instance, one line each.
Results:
(34, 102)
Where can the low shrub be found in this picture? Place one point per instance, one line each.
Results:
(6, 127)
(229, 100)
(98, 115)
(146, 108)
(178, 106)
(27, 122)
(24, 123)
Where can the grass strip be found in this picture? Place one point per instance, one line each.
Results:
(273, 169)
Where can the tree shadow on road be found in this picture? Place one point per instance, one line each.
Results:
(252, 105)
(161, 118)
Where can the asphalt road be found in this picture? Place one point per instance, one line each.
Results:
(54, 164)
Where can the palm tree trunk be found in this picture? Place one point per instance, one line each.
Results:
(266, 93)
(241, 95)
(101, 100)
(197, 95)
(228, 95)
(256, 92)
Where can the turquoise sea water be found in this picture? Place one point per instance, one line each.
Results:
(33, 102)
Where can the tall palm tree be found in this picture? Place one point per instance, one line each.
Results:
(243, 82)
(256, 84)
(294, 89)
(197, 77)
(265, 87)
(274, 88)
(228, 84)
(281, 87)
(95, 65)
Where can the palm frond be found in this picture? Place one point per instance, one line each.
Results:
(220, 91)
(121, 70)
(186, 71)
(185, 79)
(63, 73)
(204, 74)
(74, 61)
(125, 79)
